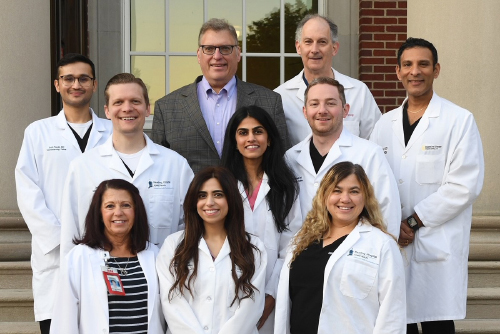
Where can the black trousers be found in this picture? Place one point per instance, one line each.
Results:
(45, 326)
(433, 327)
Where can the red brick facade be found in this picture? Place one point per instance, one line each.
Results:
(382, 29)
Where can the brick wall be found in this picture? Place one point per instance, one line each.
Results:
(382, 29)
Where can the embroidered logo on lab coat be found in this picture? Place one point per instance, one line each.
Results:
(56, 148)
(364, 256)
(160, 184)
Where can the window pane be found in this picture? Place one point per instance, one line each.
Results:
(151, 69)
(263, 20)
(183, 71)
(295, 10)
(264, 71)
(230, 10)
(185, 20)
(293, 65)
(147, 25)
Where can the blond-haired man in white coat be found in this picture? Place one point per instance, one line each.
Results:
(435, 152)
(49, 145)
(316, 41)
(161, 175)
(330, 142)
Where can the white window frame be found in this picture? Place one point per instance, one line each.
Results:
(244, 54)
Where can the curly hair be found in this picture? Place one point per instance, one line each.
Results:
(318, 221)
(241, 255)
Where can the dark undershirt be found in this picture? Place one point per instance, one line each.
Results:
(407, 128)
(306, 286)
(82, 142)
(316, 157)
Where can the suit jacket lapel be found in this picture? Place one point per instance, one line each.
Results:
(192, 107)
(245, 94)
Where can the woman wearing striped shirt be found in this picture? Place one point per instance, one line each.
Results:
(108, 281)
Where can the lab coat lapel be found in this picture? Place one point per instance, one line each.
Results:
(95, 133)
(96, 261)
(304, 157)
(397, 126)
(146, 161)
(343, 249)
(114, 162)
(335, 151)
(224, 251)
(66, 133)
(147, 260)
(192, 107)
(432, 111)
(264, 189)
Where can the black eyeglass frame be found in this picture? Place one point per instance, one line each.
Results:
(76, 78)
(217, 47)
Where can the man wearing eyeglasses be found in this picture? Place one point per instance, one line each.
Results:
(192, 120)
(49, 145)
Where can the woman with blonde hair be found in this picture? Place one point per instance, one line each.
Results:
(344, 272)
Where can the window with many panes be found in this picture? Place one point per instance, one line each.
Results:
(162, 39)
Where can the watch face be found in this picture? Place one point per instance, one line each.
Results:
(412, 222)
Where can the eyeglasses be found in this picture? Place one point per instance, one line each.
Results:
(223, 49)
(69, 80)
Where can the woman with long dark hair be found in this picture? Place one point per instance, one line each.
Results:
(344, 273)
(254, 153)
(212, 274)
(108, 281)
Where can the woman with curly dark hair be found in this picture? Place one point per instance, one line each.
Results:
(212, 274)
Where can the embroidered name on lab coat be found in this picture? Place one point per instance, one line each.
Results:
(56, 148)
(431, 147)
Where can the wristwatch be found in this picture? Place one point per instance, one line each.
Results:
(413, 223)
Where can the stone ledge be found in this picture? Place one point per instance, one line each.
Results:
(19, 328)
(477, 326)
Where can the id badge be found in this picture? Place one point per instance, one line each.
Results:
(113, 283)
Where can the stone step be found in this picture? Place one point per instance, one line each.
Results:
(483, 303)
(484, 274)
(477, 326)
(19, 328)
(16, 305)
(15, 238)
(15, 275)
(485, 239)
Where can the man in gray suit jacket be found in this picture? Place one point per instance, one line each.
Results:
(192, 120)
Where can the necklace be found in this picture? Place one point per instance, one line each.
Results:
(416, 111)
(123, 271)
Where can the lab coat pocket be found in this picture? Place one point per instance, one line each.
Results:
(358, 278)
(352, 126)
(431, 244)
(161, 211)
(429, 169)
(42, 262)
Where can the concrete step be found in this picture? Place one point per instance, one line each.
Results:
(16, 305)
(477, 326)
(485, 239)
(483, 303)
(15, 275)
(15, 238)
(484, 274)
(19, 328)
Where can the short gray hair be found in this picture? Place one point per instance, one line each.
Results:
(217, 25)
(334, 30)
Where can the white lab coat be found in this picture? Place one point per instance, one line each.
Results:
(162, 177)
(208, 310)
(260, 222)
(48, 147)
(359, 151)
(363, 290)
(360, 121)
(440, 174)
(81, 305)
